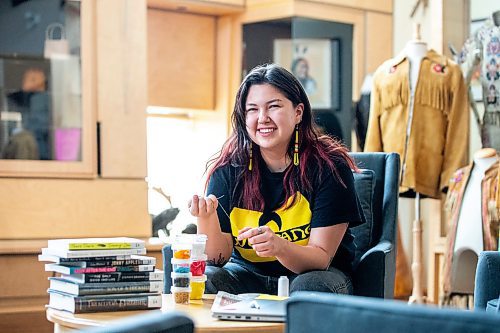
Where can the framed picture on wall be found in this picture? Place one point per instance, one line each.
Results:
(310, 60)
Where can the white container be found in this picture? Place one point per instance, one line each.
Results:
(198, 286)
(198, 245)
(181, 295)
(181, 247)
(198, 265)
(181, 280)
(283, 286)
(180, 265)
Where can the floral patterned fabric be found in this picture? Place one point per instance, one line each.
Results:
(481, 56)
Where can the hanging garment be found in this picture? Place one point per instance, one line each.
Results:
(432, 140)
(486, 43)
(490, 216)
(362, 111)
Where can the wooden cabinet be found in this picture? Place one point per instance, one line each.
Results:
(181, 59)
(57, 199)
(85, 165)
(121, 102)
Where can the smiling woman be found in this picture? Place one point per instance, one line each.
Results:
(270, 123)
(268, 198)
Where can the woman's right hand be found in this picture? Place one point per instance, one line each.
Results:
(203, 206)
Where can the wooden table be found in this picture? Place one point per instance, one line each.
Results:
(199, 311)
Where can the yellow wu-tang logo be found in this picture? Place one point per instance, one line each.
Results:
(292, 224)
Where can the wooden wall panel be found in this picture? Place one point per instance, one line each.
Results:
(207, 7)
(57, 208)
(29, 321)
(122, 87)
(26, 273)
(379, 5)
(181, 59)
(378, 40)
(456, 14)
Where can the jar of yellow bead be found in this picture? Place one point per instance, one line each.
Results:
(198, 286)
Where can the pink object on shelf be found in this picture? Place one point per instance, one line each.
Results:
(67, 144)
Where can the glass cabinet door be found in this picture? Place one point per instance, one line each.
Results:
(47, 121)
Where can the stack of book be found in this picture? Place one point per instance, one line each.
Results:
(101, 274)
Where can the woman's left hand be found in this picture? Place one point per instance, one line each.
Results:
(263, 240)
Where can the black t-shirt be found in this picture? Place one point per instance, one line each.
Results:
(329, 203)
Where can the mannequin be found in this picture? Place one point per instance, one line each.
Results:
(476, 55)
(419, 110)
(469, 234)
(415, 50)
(472, 208)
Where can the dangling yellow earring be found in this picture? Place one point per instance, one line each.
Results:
(296, 148)
(250, 163)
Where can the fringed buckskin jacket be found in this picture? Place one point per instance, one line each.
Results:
(490, 215)
(433, 139)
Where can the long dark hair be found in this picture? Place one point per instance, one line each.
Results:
(314, 149)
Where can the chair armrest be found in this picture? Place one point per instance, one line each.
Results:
(384, 247)
(372, 276)
(167, 255)
(328, 312)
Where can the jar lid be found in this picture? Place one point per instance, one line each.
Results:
(201, 278)
(182, 238)
(200, 257)
(180, 289)
(177, 275)
(181, 246)
(200, 238)
(176, 261)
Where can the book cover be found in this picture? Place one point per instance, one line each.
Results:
(85, 260)
(103, 303)
(91, 253)
(109, 269)
(100, 261)
(105, 243)
(82, 289)
(157, 275)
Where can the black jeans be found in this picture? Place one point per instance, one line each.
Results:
(236, 279)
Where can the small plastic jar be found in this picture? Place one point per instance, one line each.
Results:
(181, 279)
(181, 295)
(198, 265)
(198, 286)
(198, 246)
(180, 265)
(181, 246)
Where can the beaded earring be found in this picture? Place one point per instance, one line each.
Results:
(250, 162)
(296, 147)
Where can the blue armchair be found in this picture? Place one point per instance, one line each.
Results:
(153, 322)
(487, 284)
(378, 191)
(325, 313)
